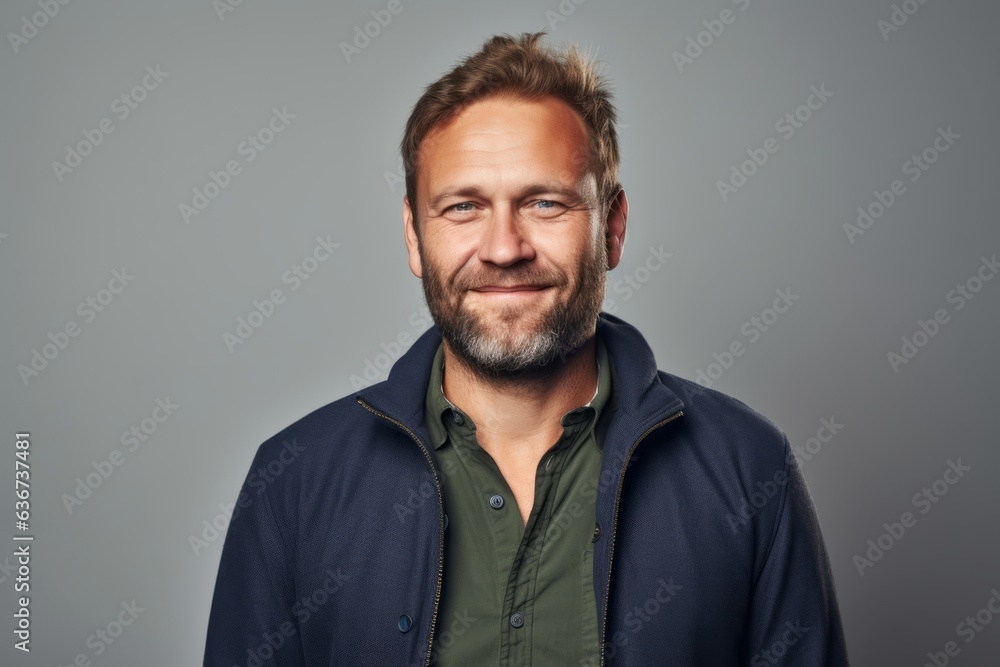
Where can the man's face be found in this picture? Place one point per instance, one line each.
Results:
(512, 250)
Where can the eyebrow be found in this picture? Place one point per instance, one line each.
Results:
(475, 191)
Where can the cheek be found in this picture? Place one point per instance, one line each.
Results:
(456, 258)
(442, 269)
(573, 258)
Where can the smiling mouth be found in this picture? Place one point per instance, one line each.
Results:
(514, 290)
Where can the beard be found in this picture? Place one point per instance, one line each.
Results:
(510, 341)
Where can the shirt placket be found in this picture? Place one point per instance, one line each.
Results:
(521, 589)
(506, 527)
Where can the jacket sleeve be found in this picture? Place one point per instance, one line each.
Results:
(252, 621)
(794, 617)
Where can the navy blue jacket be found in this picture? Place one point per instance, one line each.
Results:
(709, 551)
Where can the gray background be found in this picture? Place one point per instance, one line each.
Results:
(333, 172)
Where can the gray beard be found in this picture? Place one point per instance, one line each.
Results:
(563, 330)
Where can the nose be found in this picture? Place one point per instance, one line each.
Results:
(504, 242)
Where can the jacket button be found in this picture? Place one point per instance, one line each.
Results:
(517, 619)
(458, 418)
(404, 623)
(496, 501)
(597, 532)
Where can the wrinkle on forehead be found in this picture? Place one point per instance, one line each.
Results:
(503, 137)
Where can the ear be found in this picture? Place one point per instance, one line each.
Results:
(412, 240)
(615, 224)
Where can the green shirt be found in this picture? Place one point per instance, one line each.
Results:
(516, 594)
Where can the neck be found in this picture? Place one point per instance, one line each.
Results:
(521, 413)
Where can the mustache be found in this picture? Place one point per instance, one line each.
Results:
(508, 280)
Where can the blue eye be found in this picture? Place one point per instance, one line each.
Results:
(457, 207)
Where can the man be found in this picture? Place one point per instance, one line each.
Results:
(526, 488)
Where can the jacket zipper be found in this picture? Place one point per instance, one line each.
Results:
(614, 523)
(437, 483)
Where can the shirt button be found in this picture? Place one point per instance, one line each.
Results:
(517, 619)
(458, 418)
(404, 623)
(597, 532)
(496, 501)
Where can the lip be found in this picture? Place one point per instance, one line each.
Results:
(516, 289)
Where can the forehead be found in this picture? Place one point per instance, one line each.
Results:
(507, 138)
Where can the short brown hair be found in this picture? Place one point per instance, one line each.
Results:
(521, 68)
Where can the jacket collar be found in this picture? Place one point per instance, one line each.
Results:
(642, 400)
